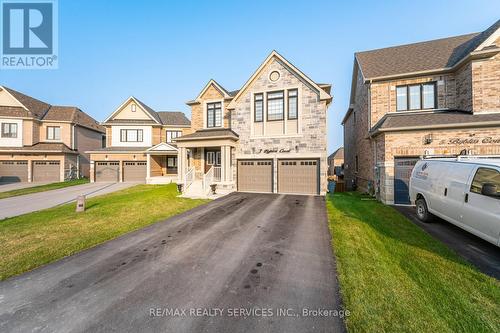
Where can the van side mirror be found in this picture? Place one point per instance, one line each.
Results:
(489, 190)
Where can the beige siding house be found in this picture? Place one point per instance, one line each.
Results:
(40, 142)
(140, 145)
(268, 136)
(433, 98)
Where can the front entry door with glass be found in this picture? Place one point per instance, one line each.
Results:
(212, 158)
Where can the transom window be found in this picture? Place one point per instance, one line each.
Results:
(416, 97)
(259, 107)
(172, 135)
(9, 130)
(275, 105)
(293, 103)
(489, 177)
(53, 133)
(131, 135)
(214, 114)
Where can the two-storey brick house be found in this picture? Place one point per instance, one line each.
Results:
(140, 145)
(439, 97)
(268, 136)
(40, 142)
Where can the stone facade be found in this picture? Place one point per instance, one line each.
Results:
(311, 140)
(474, 86)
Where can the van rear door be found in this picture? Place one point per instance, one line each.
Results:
(482, 210)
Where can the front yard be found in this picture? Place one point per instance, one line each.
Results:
(394, 277)
(34, 239)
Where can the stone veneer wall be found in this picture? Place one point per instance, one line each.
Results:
(312, 112)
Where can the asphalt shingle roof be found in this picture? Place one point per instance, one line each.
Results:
(423, 56)
(42, 147)
(209, 133)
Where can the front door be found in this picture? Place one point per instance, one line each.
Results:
(212, 158)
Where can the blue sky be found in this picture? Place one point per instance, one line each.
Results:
(164, 52)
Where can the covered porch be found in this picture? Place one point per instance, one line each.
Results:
(205, 158)
(161, 164)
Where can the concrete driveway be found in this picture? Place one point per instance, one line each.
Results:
(4, 187)
(28, 203)
(482, 254)
(237, 260)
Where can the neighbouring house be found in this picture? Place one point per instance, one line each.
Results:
(40, 142)
(440, 97)
(336, 164)
(140, 145)
(269, 136)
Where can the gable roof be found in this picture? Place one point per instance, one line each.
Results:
(162, 146)
(322, 93)
(439, 54)
(37, 109)
(175, 118)
(217, 86)
(339, 153)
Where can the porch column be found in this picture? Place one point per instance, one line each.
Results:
(148, 166)
(181, 164)
(225, 155)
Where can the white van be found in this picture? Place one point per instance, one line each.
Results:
(463, 191)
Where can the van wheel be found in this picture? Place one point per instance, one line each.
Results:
(422, 211)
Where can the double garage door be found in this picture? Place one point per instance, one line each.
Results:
(295, 176)
(17, 171)
(133, 171)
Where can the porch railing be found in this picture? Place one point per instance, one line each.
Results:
(189, 178)
(217, 174)
(208, 179)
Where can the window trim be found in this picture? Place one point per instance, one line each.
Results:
(273, 99)
(174, 163)
(421, 96)
(53, 132)
(214, 109)
(10, 125)
(296, 103)
(255, 107)
(177, 135)
(125, 130)
(133, 107)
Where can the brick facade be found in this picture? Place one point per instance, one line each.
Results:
(474, 86)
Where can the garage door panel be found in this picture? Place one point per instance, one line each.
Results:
(134, 171)
(13, 171)
(255, 176)
(46, 171)
(107, 171)
(298, 176)
(403, 168)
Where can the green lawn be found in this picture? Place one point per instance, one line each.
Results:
(34, 239)
(394, 277)
(42, 188)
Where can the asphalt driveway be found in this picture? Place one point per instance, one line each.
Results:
(28, 203)
(482, 254)
(232, 265)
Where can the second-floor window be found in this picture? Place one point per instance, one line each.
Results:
(9, 130)
(275, 105)
(214, 114)
(131, 135)
(416, 97)
(172, 135)
(53, 133)
(293, 104)
(259, 107)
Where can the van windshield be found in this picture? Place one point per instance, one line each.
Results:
(486, 176)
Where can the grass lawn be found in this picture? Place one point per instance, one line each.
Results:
(42, 188)
(394, 277)
(34, 239)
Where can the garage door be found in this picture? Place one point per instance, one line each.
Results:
(107, 171)
(134, 171)
(46, 171)
(13, 171)
(255, 176)
(298, 176)
(402, 174)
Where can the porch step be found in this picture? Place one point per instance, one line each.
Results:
(196, 191)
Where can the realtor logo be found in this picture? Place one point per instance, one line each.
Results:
(29, 34)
